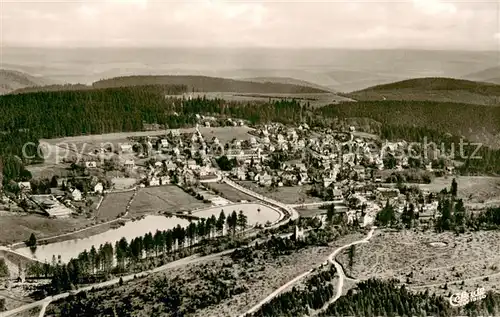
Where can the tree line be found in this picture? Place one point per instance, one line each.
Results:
(51, 114)
(385, 298)
(451, 214)
(124, 256)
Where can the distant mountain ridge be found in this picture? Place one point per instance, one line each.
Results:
(288, 81)
(207, 84)
(192, 83)
(491, 75)
(11, 80)
(433, 89)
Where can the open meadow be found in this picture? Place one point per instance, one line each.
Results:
(287, 195)
(314, 99)
(310, 212)
(168, 198)
(476, 191)
(228, 192)
(19, 227)
(16, 297)
(113, 205)
(440, 262)
(80, 147)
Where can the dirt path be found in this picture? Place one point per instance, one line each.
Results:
(331, 259)
(46, 301)
(340, 270)
(181, 262)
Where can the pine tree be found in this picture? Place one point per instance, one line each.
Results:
(242, 220)
(454, 188)
(221, 221)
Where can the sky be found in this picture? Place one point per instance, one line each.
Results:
(427, 24)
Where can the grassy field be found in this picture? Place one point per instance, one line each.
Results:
(18, 227)
(310, 212)
(229, 192)
(314, 99)
(476, 191)
(163, 198)
(69, 146)
(429, 260)
(113, 205)
(287, 195)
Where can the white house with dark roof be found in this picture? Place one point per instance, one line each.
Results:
(76, 195)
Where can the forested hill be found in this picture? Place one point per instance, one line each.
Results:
(207, 84)
(288, 81)
(32, 116)
(475, 122)
(433, 89)
(64, 87)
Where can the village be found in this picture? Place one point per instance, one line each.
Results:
(356, 172)
(95, 192)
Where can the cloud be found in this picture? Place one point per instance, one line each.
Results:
(375, 32)
(88, 12)
(367, 24)
(434, 7)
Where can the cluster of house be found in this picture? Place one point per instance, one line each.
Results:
(60, 202)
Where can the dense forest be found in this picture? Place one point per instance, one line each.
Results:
(466, 120)
(386, 298)
(55, 87)
(439, 84)
(32, 116)
(433, 89)
(207, 84)
(317, 291)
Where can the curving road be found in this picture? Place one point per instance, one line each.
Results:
(319, 203)
(331, 259)
(190, 260)
(46, 301)
(293, 214)
(340, 270)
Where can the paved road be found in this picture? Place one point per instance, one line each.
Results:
(190, 260)
(320, 203)
(290, 210)
(331, 259)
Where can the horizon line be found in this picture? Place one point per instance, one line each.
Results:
(469, 49)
